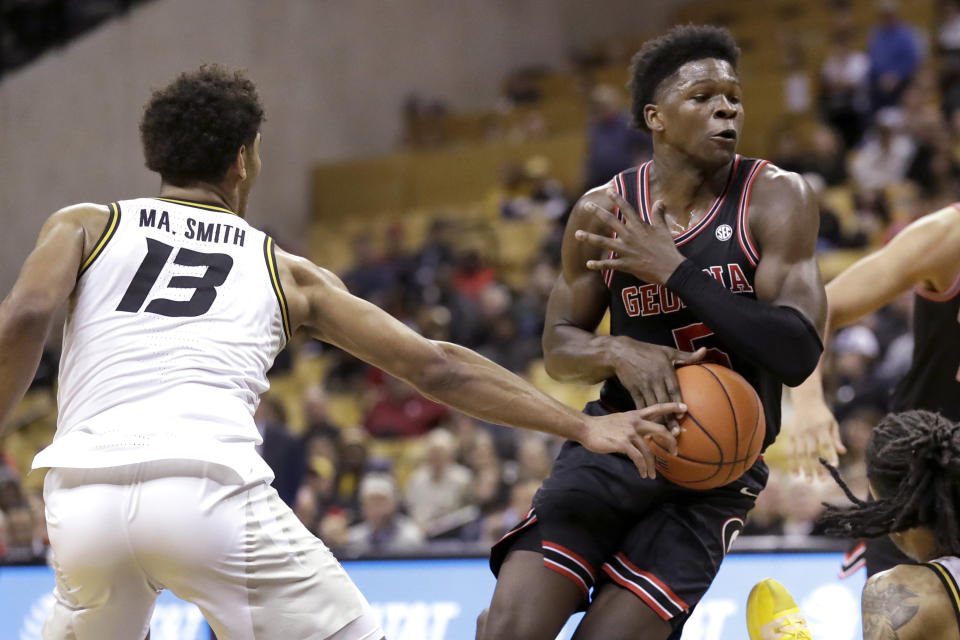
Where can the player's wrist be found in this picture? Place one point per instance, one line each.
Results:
(670, 267)
(580, 430)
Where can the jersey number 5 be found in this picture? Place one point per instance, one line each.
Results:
(684, 338)
(204, 287)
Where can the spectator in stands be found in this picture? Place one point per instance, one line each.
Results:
(372, 275)
(489, 491)
(352, 465)
(872, 210)
(436, 250)
(796, 82)
(895, 55)
(845, 88)
(855, 430)
(948, 43)
(801, 506)
(504, 346)
(829, 158)
(281, 450)
(24, 545)
(433, 322)
(439, 485)
(500, 340)
(316, 415)
(613, 144)
(465, 324)
(334, 530)
(832, 233)
(533, 458)
(886, 155)
(534, 193)
(531, 306)
(498, 523)
(472, 274)
(790, 154)
(855, 351)
(383, 528)
(318, 490)
(766, 519)
(401, 412)
(932, 167)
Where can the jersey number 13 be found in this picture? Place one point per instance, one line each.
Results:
(204, 286)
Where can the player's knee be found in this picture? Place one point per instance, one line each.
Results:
(481, 623)
(509, 622)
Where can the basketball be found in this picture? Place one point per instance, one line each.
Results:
(724, 429)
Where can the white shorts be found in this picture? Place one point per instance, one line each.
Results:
(120, 535)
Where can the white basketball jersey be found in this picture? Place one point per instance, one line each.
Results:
(947, 569)
(176, 317)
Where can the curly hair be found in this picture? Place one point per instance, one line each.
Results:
(913, 462)
(659, 58)
(192, 128)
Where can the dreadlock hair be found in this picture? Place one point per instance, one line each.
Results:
(913, 462)
(192, 128)
(659, 58)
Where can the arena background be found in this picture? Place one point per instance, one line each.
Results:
(428, 151)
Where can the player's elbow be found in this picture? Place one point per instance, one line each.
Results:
(29, 310)
(801, 361)
(555, 361)
(553, 365)
(437, 371)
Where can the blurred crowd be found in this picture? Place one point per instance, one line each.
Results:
(372, 467)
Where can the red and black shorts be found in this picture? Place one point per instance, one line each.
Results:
(596, 520)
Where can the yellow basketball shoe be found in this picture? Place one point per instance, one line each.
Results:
(772, 613)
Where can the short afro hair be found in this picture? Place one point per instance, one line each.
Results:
(192, 128)
(659, 58)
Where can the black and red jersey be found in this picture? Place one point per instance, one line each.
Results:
(933, 380)
(721, 245)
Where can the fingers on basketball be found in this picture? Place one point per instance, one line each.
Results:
(724, 429)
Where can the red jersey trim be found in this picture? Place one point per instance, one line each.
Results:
(618, 185)
(940, 296)
(743, 228)
(684, 237)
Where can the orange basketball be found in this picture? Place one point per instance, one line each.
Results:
(724, 426)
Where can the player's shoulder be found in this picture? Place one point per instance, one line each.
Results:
(915, 577)
(81, 212)
(582, 218)
(301, 272)
(782, 185)
(910, 596)
(89, 217)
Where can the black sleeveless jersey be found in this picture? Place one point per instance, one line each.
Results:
(933, 381)
(720, 244)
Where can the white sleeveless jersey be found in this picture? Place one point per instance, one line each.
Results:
(176, 317)
(947, 569)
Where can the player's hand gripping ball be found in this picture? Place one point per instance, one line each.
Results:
(724, 429)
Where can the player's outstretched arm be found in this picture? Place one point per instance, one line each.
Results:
(454, 375)
(45, 282)
(574, 352)
(906, 603)
(923, 254)
(779, 330)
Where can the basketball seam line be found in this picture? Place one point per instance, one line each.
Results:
(733, 413)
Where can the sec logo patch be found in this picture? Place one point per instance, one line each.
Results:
(724, 232)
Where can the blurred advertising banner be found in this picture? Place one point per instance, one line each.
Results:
(440, 599)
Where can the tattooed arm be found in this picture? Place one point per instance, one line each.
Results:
(907, 603)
